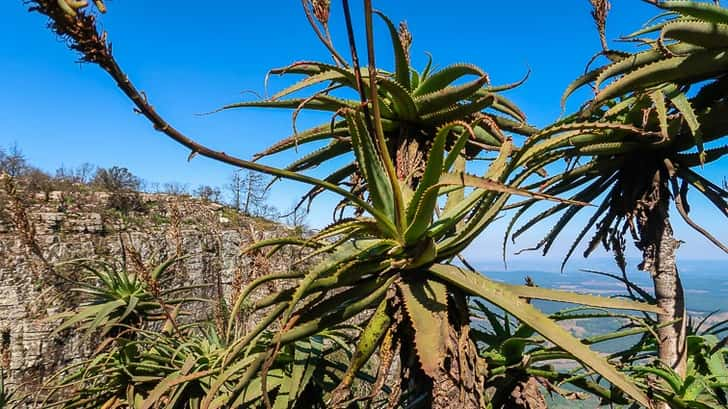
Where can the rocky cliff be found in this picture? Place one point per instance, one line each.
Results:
(38, 231)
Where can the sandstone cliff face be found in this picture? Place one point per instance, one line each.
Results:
(139, 229)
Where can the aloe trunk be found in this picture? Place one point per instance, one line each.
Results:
(659, 249)
(457, 382)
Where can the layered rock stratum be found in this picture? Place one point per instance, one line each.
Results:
(41, 231)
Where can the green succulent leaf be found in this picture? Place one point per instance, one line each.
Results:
(701, 10)
(368, 342)
(317, 133)
(380, 189)
(694, 67)
(702, 34)
(541, 293)
(446, 76)
(402, 68)
(426, 305)
(477, 285)
(402, 103)
(424, 200)
(446, 97)
(318, 102)
(681, 103)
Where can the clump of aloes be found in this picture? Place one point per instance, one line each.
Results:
(400, 258)
(150, 352)
(388, 267)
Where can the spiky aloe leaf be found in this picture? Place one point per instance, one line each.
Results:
(325, 76)
(658, 98)
(427, 71)
(498, 168)
(421, 207)
(334, 149)
(466, 180)
(347, 226)
(702, 10)
(546, 294)
(445, 77)
(176, 379)
(530, 151)
(457, 195)
(426, 305)
(515, 127)
(694, 159)
(506, 106)
(638, 60)
(666, 374)
(344, 253)
(649, 27)
(310, 135)
(578, 83)
(478, 285)
(580, 236)
(445, 97)
(402, 68)
(307, 356)
(608, 148)
(371, 166)
(339, 308)
(414, 79)
(403, 104)
(512, 85)
(710, 93)
(702, 34)
(369, 341)
(458, 111)
(300, 67)
(624, 105)
(456, 151)
(695, 67)
(319, 102)
(588, 193)
(681, 103)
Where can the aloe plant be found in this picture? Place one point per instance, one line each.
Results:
(159, 370)
(147, 358)
(116, 299)
(388, 264)
(412, 105)
(638, 147)
(705, 382)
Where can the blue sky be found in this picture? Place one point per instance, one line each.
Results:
(191, 59)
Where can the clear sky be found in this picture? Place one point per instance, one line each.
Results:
(191, 59)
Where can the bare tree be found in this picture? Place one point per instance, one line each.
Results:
(176, 188)
(255, 193)
(13, 162)
(296, 218)
(83, 173)
(207, 193)
(235, 188)
(249, 193)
